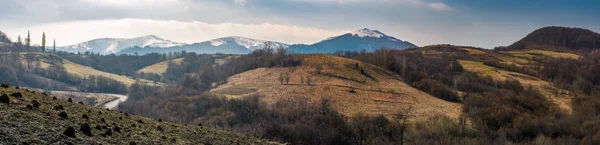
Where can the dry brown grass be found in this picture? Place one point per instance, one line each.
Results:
(382, 93)
(556, 95)
(554, 54)
(73, 68)
(159, 68)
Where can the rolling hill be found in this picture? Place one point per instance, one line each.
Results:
(34, 118)
(559, 38)
(477, 60)
(373, 91)
(46, 61)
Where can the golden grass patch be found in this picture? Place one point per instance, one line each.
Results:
(159, 68)
(554, 54)
(376, 92)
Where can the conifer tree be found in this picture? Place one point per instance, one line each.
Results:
(28, 41)
(19, 42)
(54, 47)
(43, 42)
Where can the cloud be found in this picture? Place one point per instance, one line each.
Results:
(439, 6)
(67, 33)
(240, 2)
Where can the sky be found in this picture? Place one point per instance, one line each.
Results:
(480, 23)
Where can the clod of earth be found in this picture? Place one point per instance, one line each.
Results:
(59, 107)
(4, 99)
(17, 94)
(63, 115)
(70, 100)
(108, 132)
(4, 85)
(36, 104)
(117, 129)
(70, 132)
(29, 107)
(86, 129)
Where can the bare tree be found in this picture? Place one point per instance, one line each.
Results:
(401, 120)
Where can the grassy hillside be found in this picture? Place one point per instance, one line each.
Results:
(35, 119)
(373, 91)
(158, 68)
(529, 54)
(559, 38)
(46, 60)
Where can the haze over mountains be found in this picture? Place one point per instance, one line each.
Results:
(369, 40)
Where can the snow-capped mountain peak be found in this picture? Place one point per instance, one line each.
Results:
(249, 43)
(114, 45)
(368, 33)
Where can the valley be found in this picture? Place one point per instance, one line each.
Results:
(305, 94)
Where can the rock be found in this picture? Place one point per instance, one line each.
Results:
(4, 85)
(117, 129)
(108, 132)
(86, 129)
(84, 116)
(70, 132)
(29, 107)
(36, 104)
(5, 99)
(70, 100)
(17, 94)
(59, 107)
(64, 115)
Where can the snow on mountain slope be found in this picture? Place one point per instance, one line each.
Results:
(252, 44)
(368, 33)
(363, 39)
(114, 45)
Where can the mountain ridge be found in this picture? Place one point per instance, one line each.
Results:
(114, 45)
(358, 40)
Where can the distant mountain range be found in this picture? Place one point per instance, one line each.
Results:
(115, 45)
(363, 39)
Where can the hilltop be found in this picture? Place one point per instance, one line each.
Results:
(366, 90)
(34, 118)
(559, 38)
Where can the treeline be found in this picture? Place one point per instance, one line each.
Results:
(117, 64)
(531, 70)
(20, 45)
(506, 111)
(51, 75)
